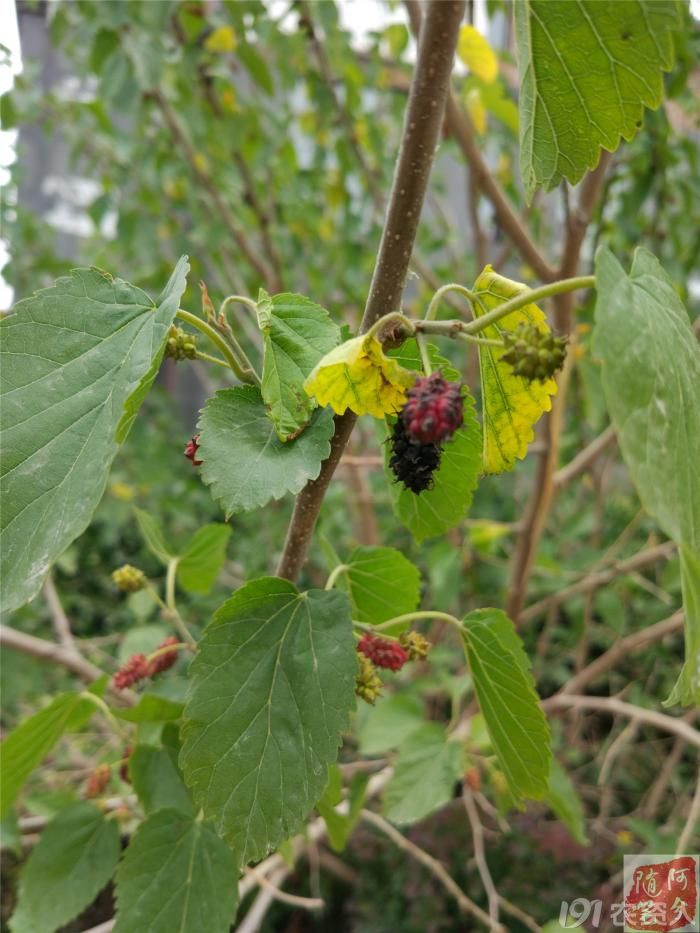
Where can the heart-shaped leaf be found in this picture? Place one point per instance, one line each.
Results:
(244, 462)
(271, 691)
(77, 360)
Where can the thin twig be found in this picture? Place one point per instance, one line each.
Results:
(60, 620)
(585, 458)
(295, 900)
(434, 867)
(692, 823)
(480, 855)
(622, 650)
(180, 138)
(422, 125)
(664, 777)
(612, 706)
(598, 578)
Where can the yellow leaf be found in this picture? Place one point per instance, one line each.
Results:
(476, 53)
(512, 405)
(229, 100)
(201, 163)
(222, 39)
(357, 375)
(476, 110)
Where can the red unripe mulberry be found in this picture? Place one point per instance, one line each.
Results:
(191, 448)
(134, 669)
(434, 409)
(165, 661)
(383, 652)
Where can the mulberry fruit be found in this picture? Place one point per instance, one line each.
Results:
(368, 686)
(434, 409)
(415, 644)
(163, 662)
(98, 781)
(413, 464)
(191, 448)
(134, 669)
(383, 652)
(129, 579)
(534, 354)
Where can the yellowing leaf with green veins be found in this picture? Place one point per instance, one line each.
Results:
(223, 39)
(357, 375)
(474, 50)
(511, 404)
(476, 110)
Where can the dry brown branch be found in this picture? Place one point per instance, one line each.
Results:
(614, 707)
(598, 578)
(434, 867)
(692, 824)
(72, 661)
(180, 138)
(424, 111)
(585, 458)
(461, 128)
(623, 649)
(480, 855)
(59, 618)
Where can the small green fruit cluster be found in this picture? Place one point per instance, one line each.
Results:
(534, 354)
(180, 345)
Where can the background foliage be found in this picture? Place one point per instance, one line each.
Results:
(260, 139)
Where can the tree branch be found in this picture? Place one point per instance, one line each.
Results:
(70, 659)
(613, 706)
(480, 854)
(432, 864)
(179, 137)
(598, 578)
(461, 128)
(583, 460)
(622, 649)
(424, 112)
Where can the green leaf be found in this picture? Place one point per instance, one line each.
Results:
(142, 639)
(297, 333)
(73, 860)
(176, 875)
(425, 772)
(587, 70)
(204, 557)
(381, 583)
(76, 357)
(389, 723)
(566, 803)
(686, 690)
(436, 510)
(272, 686)
(27, 745)
(408, 355)
(245, 463)
(508, 700)
(10, 833)
(152, 535)
(341, 825)
(150, 708)
(157, 781)
(651, 374)
(167, 305)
